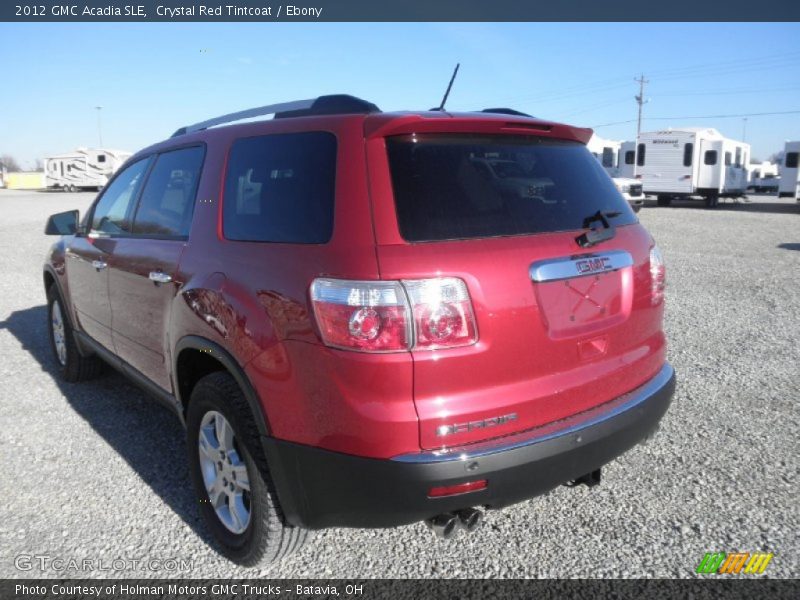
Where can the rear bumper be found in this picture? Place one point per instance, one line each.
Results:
(318, 488)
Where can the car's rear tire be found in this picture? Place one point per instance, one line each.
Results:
(712, 200)
(71, 365)
(245, 520)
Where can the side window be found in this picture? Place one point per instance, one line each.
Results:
(738, 160)
(112, 212)
(280, 188)
(688, 149)
(630, 156)
(640, 155)
(727, 159)
(167, 202)
(101, 158)
(608, 157)
(790, 162)
(710, 157)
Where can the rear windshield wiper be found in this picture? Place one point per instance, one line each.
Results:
(595, 235)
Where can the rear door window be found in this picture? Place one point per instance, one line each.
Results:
(791, 160)
(450, 186)
(280, 188)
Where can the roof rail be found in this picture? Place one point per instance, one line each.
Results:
(506, 111)
(324, 105)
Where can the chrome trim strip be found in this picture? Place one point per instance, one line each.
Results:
(572, 424)
(555, 269)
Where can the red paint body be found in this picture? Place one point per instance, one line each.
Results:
(252, 299)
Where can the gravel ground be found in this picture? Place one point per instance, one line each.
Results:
(98, 471)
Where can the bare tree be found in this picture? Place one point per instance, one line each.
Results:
(10, 163)
(38, 165)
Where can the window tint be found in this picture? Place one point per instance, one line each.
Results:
(630, 156)
(442, 192)
(727, 159)
(710, 157)
(608, 157)
(280, 188)
(167, 200)
(738, 160)
(688, 149)
(790, 162)
(112, 213)
(640, 155)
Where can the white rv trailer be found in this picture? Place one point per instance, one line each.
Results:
(691, 161)
(607, 152)
(763, 177)
(790, 173)
(627, 159)
(83, 168)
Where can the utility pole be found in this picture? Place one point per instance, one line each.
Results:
(99, 125)
(744, 129)
(640, 101)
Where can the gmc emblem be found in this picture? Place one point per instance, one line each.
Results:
(593, 265)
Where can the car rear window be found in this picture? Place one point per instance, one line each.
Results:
(449, 186)
(280, 188)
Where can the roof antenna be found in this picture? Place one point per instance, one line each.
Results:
(449, 85)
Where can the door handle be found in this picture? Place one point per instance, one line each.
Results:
(99, 264)
(159, 277)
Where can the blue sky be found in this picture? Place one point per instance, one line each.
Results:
(152, 78)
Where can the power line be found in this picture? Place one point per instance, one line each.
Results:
(761, 114)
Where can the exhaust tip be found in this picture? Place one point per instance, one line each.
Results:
(444, 525)
(469, 518)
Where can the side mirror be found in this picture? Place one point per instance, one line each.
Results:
(65, 223)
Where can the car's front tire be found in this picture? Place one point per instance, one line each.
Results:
(230, 475)
(72, 366)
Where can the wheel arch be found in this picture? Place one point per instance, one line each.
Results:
(212, 357)
(50, 278)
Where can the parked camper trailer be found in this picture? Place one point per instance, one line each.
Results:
(83, 168)
(790, 173)
(691, 161)
(608, 152)
(763, 178)
(627, 160)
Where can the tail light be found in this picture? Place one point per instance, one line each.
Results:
(658, 275)
(372, 316)
(442, 310)
(393, 316)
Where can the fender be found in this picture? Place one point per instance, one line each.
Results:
(237, 372)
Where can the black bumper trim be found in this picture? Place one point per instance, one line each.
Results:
(318, 488)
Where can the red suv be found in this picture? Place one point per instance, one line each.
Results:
(360, 327)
